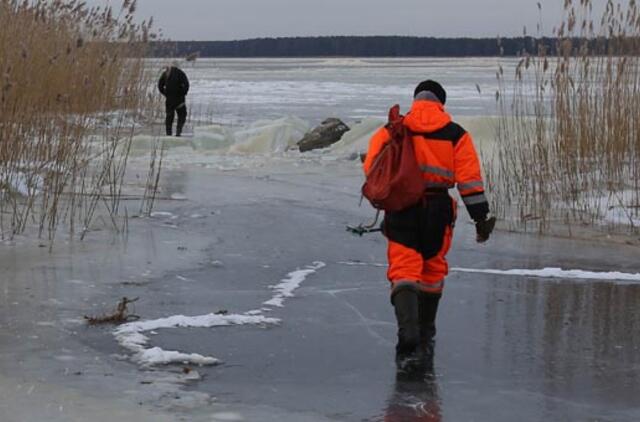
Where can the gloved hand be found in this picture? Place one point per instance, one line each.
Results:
(484, 229)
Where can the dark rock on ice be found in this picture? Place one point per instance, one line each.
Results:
(329, 132)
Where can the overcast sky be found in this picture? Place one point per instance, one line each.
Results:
(240, 19)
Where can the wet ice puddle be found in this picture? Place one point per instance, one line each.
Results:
(131, 337)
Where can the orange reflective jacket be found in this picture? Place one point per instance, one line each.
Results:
(445, 153)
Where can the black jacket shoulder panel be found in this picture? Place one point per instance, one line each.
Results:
(452, 132)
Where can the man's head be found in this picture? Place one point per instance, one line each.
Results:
(427, 87)
(169, 66)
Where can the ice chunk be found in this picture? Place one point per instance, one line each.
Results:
(356, 141)
(269, 136)
(141, 144)
(212, 137)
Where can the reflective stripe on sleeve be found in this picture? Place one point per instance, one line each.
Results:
(436, 287)
(438, 171)
(413, 284)
(471, 185)
(474, 199)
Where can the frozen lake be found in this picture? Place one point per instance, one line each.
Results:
(517, 339)
(245, 90)
(246, 263)
(249, 107)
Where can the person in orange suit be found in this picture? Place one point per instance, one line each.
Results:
(419, 237)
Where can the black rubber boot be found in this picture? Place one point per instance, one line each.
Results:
(428, 311)
(406, 306)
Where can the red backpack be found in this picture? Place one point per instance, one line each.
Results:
(394, 181)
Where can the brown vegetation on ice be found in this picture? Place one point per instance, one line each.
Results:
(68, 74)
(568, 149)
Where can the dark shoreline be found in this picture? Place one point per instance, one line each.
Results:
(352, 46)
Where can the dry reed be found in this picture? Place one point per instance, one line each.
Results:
(568, 153)
(72, 84)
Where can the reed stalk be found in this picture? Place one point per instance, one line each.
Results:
(568, 153)
(72, 81)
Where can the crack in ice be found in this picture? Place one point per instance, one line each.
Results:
(130, 336)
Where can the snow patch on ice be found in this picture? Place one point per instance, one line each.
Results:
(158, 356)
(25, 184)
(560, 273)
(362, 264)
(294, 279)
(130, 336)
(161, 214)
(549, 272)
(76, 282)
(227, 417)
(620, 216)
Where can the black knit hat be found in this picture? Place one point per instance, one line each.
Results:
(434, 87)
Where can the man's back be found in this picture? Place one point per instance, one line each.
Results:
(173, 83)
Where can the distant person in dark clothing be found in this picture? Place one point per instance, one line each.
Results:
(174, 85)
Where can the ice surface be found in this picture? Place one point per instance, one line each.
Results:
(262, 137)
(201, 321)
(162, 214)
(294, 279)
(131, 337)
(239, 91)
(362, 264)
(269, 143)
(618, 209)
(23, 183)
(141, 144)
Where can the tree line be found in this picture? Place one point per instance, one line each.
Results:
(347, 46)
